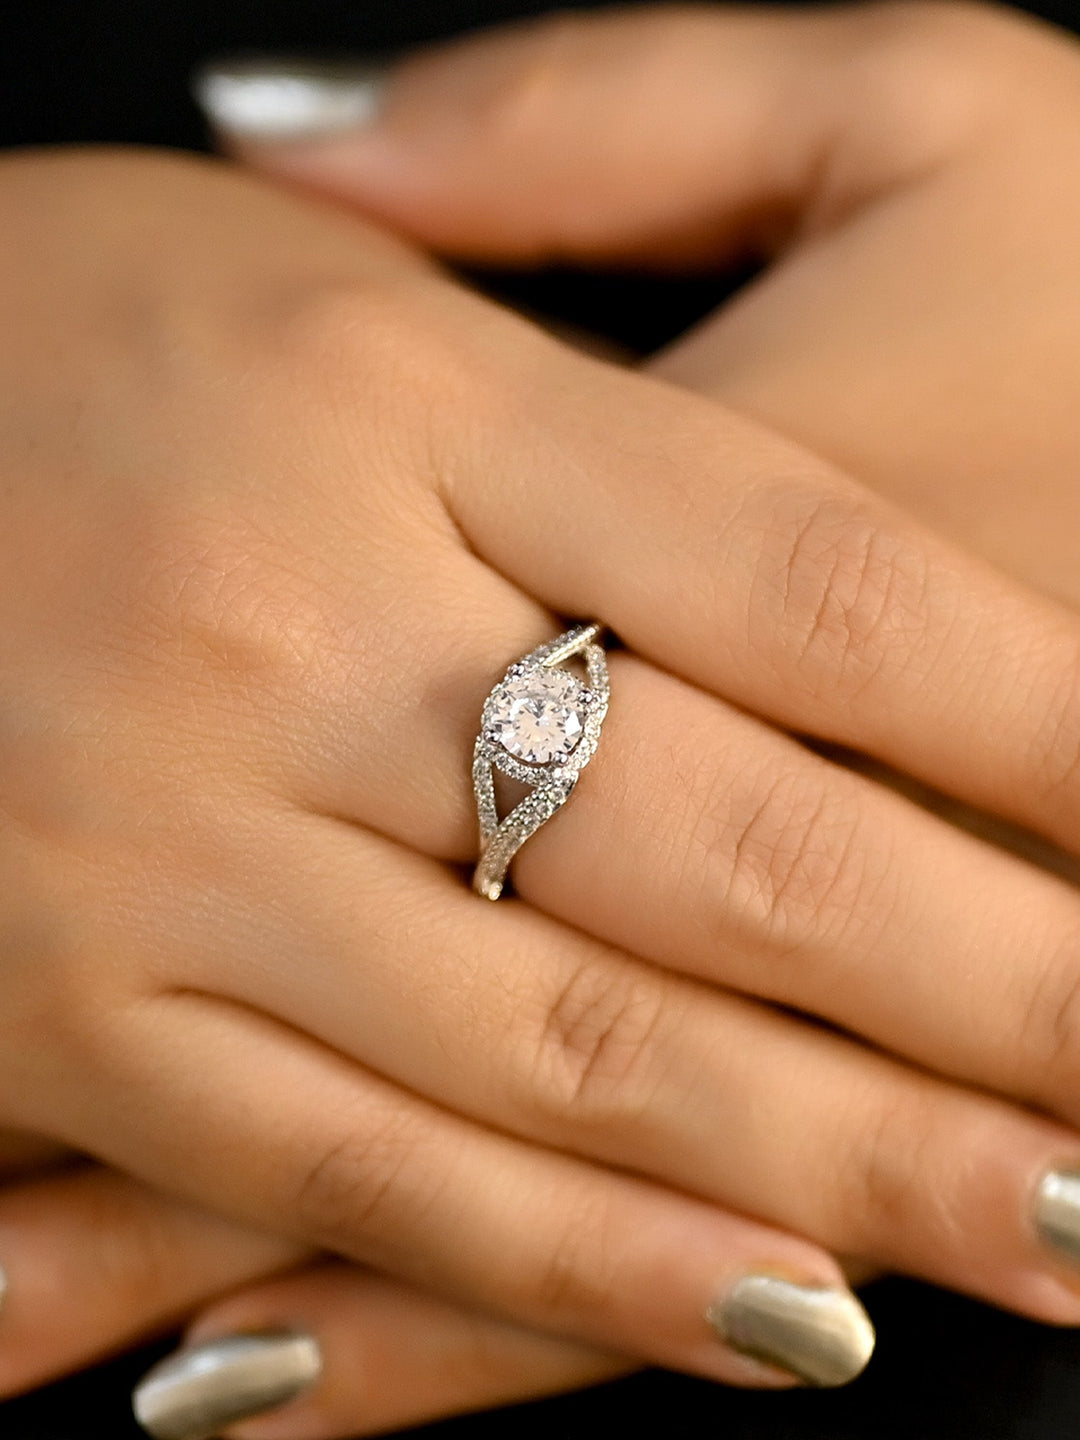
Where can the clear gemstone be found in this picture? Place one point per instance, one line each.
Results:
(539, 716)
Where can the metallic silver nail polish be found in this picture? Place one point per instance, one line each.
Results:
(196, 1392)
(267, 99)
(1057, 1212)
(819, 1333)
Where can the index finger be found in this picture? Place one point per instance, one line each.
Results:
(745, 564)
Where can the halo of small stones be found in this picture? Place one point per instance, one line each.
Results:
(551, 783)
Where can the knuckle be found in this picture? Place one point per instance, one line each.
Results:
(414, 354)
(215, 606)
(356, 1195)
(75, 990)
(595, 1057)
(483, 1363)
(792, 865)
(329, 333)
(1055, 758)
(65, 974)
(898, 1192)
(1048, 1030)
(925, 1181)
(134, 1253)
(77, 1015)
(847, 596)
(579, 1273)
(396, 343)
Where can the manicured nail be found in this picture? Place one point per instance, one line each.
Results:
(288, 99)
(197, 1392)
(1057, 1212)
(818, 1333)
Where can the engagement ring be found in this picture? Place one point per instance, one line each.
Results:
(540, 726)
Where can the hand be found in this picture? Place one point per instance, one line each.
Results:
(628, 673)
(192, 750)
(243, 643)
(1009, 444)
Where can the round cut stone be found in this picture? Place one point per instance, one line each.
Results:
(539, 717)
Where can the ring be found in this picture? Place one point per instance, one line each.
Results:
(540, 726)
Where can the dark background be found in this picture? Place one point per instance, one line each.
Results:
(946, 1368)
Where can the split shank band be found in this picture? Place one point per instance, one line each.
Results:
(540, 726)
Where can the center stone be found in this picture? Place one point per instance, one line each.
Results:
(539, 717)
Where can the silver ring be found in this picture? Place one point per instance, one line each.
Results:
(540, 726)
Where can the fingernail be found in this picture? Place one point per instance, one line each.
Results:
(262, 99)
(1057, 1212)
(197, 1392)
(3, 1286)
(820, 1334)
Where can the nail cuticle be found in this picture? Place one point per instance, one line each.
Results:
(198, 1391)
(820, 1334)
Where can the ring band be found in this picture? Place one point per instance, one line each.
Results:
(540, 726)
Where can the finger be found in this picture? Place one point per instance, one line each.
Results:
(95, 1262)
(516, 1022)
(342, 1351)
(348, 1162)
(662, 135)
(799, 596)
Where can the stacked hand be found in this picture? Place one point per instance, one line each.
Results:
(281, 501)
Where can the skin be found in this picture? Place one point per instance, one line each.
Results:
(190, 643)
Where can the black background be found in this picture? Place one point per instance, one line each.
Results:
(946, 1368)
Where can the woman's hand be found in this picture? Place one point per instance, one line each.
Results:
(244, 648)
(664, 430)
(992, 468)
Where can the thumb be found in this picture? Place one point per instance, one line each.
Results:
(670, 135)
